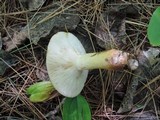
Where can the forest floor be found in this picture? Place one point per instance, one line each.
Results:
(25, 30)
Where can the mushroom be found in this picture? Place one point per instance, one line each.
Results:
(68, 64)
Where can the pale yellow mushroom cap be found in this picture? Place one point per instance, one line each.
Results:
(62, 53)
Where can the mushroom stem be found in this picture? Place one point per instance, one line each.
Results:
(110, 60)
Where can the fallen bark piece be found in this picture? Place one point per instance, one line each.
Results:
(145, 71)
(0, 41)
(6, 61)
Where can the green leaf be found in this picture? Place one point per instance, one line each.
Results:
(40, 92)
(40, 87)
(39, 97)
(153, 30)
(76, 108)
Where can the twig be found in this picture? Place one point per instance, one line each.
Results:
(52, 113)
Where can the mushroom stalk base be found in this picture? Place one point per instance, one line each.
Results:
(110, 60)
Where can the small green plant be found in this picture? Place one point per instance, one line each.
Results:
(76, 108)
(40, 91)
(153, 30)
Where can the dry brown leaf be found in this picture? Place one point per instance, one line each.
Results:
(32, 4)
(110, 31)
(158, 90)
(45, 24)
(42, 73)
(17, 39)
(0, 41)
(6, 61)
